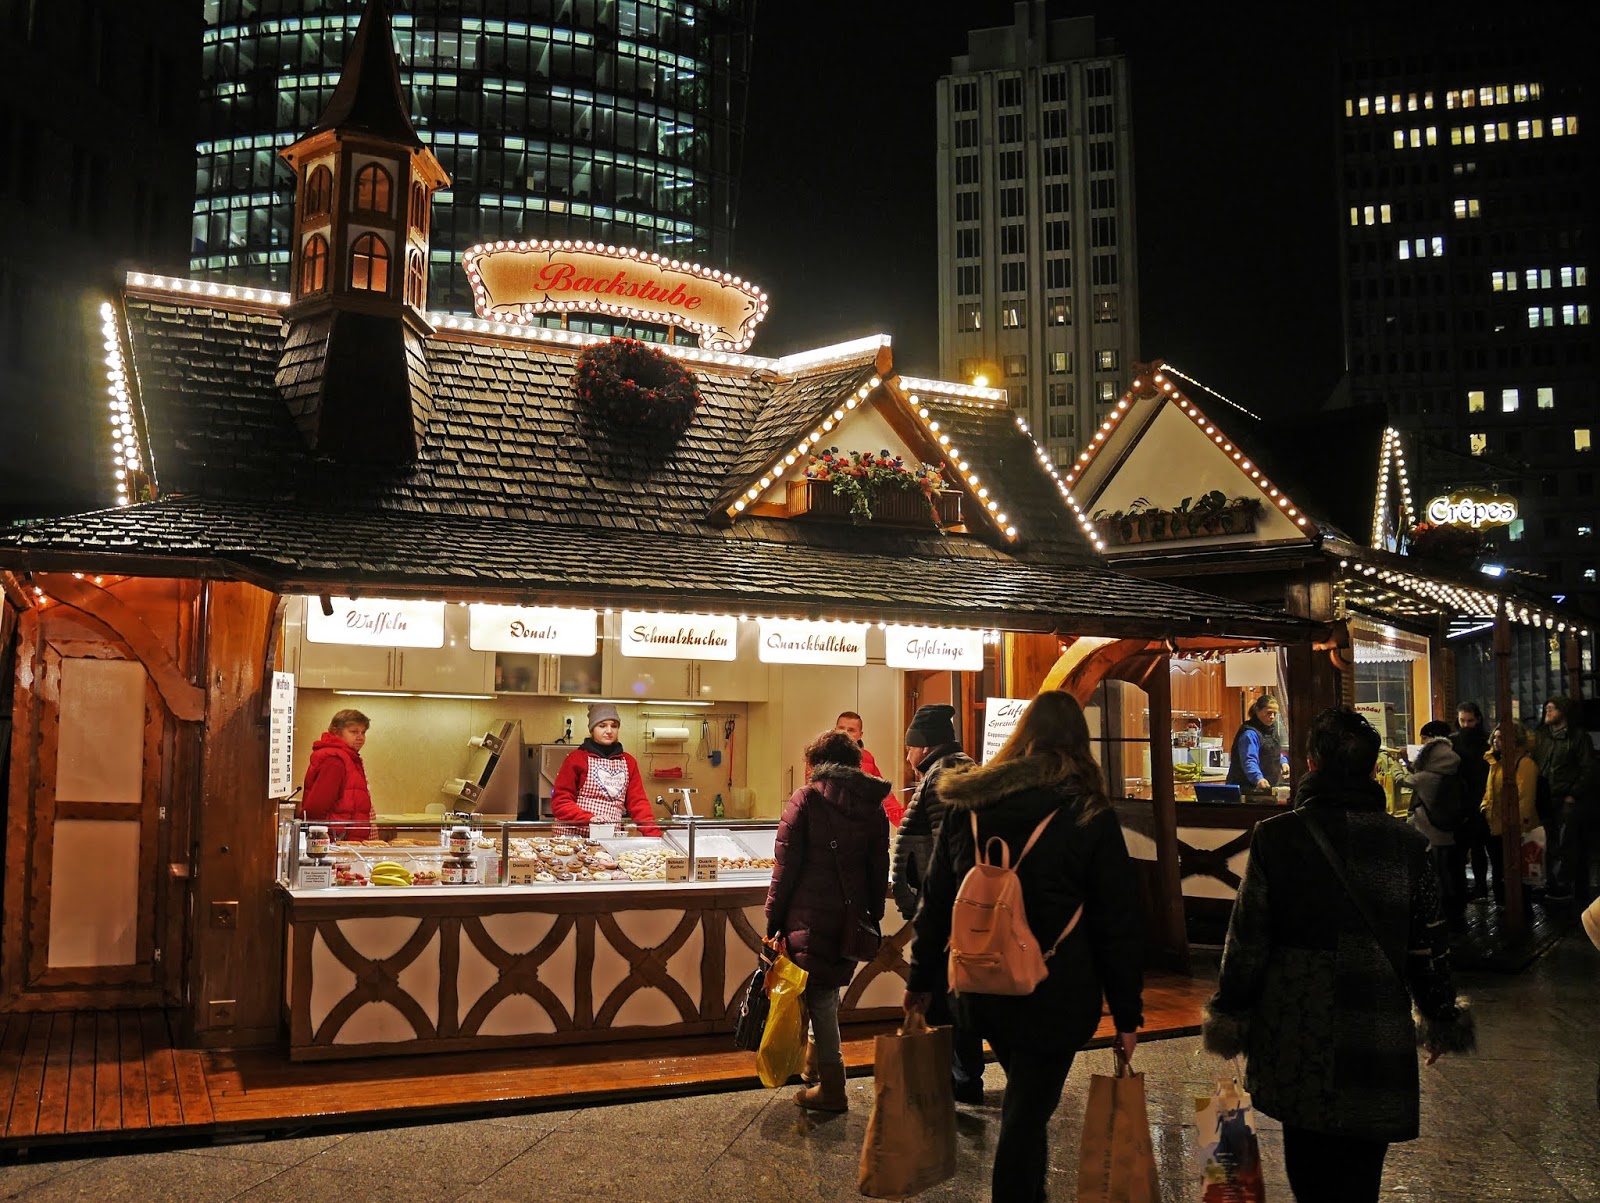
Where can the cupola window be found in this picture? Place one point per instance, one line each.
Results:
(319, 192)
(373, 189)
(419, 208)
(369, 264)
(314, 265)
(414, 277)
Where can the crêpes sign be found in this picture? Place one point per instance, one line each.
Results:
(517, 281)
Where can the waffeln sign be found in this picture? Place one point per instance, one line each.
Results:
(518, 281)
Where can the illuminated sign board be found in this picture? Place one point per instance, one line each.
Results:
(679, 636)
(376, 622)
(549, 631)
(794, 642)
(929, 647)
(1467, 509)
(517, 281)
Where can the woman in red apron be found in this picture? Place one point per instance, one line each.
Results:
(600, 783)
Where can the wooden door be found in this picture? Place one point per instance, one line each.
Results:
(92, 919)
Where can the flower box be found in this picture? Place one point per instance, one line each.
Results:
(890, 506)
(1237, 517)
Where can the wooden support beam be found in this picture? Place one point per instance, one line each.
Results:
(1509, 803)
(185, 700)
(1173, 932)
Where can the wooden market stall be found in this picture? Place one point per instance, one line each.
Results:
(1264, 513)
(341, 454)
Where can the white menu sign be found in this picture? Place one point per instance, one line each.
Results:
(280, 737)
(548, 630)
(786, 642)
(376, 622)
(931, 648)
(679, 636)
(1000, 717)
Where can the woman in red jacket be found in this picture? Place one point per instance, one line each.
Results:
(336, 780)
(600, 783)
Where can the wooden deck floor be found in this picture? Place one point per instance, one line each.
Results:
(72, 1078)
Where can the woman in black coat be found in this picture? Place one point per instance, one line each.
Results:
(1045, 768)
(1311, 988)
(832, 870)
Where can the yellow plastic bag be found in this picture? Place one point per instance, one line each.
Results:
(783, 1042)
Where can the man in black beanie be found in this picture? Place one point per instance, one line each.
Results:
(931, 749)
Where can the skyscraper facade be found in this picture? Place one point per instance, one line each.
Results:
(1038, 275)
(96, 163)
(1467, 205)
(619, 121)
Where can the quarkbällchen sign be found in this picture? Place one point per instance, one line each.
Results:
(517, 281)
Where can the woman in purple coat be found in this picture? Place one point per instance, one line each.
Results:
(833, 861)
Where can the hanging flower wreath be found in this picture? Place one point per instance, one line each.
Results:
(631, 386)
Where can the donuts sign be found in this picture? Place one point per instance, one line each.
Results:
(1466, 509)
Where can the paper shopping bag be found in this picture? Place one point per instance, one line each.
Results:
(783, 1040)
(911, 1135)
(1533, 858)
(1115, 1161)
(1226, 1147)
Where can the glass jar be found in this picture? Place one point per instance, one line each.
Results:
(316, 840)
(460, 841)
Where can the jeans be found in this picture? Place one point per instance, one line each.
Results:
(822, 1005)
(966, 1045)
(1035, 1077)
(1324, 1167)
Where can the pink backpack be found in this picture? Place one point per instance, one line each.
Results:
(992, 948)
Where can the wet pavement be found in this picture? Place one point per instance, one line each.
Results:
(1518, 1122)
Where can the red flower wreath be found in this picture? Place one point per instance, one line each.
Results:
(631, 386)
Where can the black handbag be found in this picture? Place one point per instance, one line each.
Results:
(754, 1005)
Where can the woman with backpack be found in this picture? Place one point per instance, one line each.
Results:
(1042, 797)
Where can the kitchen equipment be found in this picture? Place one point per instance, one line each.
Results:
(491, 783)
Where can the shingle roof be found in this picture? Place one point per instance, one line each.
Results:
(515, 494)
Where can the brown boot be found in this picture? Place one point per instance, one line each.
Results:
(811, 1075)
(828, 1095)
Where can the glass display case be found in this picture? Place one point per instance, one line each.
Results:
(464, 850)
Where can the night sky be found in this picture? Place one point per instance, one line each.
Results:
(1234, 148)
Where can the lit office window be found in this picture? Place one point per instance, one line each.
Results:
(1467, 207)
(1585, 531)
(1510, 399)
(1539, 277)
(1547, 398)
(1108, 390)
(1014, 315)
(1540, 316)
(1060, 362)
(1514, 531)
(1580, 439)
(1477, 442)
(1016, 365)
(1427, 100)
(1475, 401)
(1405, 248)
(1369, 215)
(1058, 311)
(1383, 214)
(1437, 243)
(1105, 361)
(1499, 279)
(1363, 106)
(1431, 135)
(1355, 215)
(1400, 139)
(969, 317)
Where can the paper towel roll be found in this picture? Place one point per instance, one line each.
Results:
(670, 734)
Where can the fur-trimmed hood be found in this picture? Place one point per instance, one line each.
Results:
(849, 789)
(983, 785)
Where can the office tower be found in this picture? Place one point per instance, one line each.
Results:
(1467, 206)
(1038, 276)
(618, 121)
(96, 168)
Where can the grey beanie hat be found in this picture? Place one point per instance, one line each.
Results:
(599, 712)
(931, 727)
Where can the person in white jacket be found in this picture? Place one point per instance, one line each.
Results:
(1439, 810)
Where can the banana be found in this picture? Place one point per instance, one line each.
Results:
(383, 879)
(384, 866)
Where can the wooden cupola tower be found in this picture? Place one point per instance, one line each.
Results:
(354, 371)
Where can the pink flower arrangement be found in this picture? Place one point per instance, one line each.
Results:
(857, 474)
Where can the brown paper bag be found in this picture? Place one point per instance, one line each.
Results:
(911, 1137)
(1115, 1162)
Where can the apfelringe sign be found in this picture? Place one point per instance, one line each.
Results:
(543, 630)
(932, 648)
(516, 281)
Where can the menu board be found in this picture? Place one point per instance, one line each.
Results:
(280, 737)
(679, 636)
(376, 622)
(533, 629)
(933, 648)
(785, 641)
(1000, 718)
